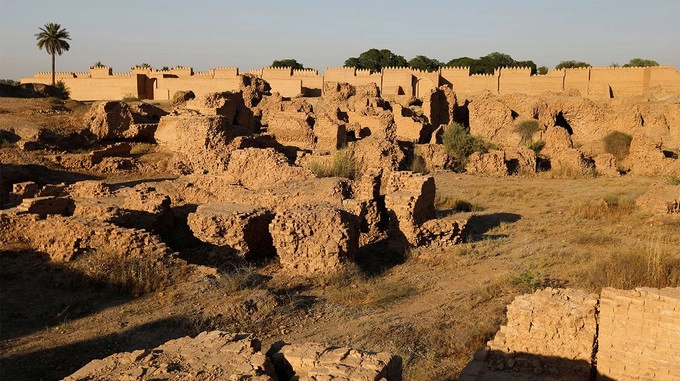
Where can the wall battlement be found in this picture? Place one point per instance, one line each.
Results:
(100, 83)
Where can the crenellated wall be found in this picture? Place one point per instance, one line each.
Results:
(101, 83)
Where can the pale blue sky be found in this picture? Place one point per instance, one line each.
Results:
(251, 34)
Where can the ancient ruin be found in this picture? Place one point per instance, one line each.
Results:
(257, 221)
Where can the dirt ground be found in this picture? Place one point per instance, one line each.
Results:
(431, 307)
(434, 308)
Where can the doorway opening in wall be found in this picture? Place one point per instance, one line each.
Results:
(560, 121)
(611, 92)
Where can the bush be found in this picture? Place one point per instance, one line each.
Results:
(10, 82)
(64, 91)
(460, 144)
(617, 143)
(526, 129)
(343, 164)
(536, 146)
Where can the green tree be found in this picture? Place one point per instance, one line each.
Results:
(542, 70)
(490, 62)
(462, 62)
(53, 38)
(571, 64)
(287, 62)
(424, 63)
(98, 64)
(527, 63)
(375, 60)
(641, 62)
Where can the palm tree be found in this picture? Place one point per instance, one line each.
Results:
(53, 39)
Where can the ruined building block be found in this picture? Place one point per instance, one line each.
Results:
(488, 164)
(212, 355)
(243, 228)
(330, 134)
(198, 142)
(410, 202)
(292, 129)
(314, 238)
(307, 362)
(266, 168)
(44, 206)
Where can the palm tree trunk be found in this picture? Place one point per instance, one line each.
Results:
(53, 82)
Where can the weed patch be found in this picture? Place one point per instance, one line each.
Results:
(343, 164)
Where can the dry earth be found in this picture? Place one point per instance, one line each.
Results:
(432, 306)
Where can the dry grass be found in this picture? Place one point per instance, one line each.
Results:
(418, 165)
(609, 207)
(563, 171)
(135, 275)
(650, 265)
(452, 203)
(240, 278)
(343, 164)
(354, 289)
(617, 143)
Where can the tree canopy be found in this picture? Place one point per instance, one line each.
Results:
(52, 37)
(424, 63)
(287, 62)
(571, 64)
(490, 62)
(375, 60)
(641, 62)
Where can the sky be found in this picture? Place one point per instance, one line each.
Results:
(251, 34)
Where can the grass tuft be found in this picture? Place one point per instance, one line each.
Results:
(617, 143)
(526, 129)
(452, 203)
(609, 207)
(343, 164)
(136, 275)
(652, 266)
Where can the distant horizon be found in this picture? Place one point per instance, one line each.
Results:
(205, 35)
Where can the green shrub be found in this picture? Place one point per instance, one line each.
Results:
(536, 146)
(343, 164)
(526, 129)
(9, 82)
(527, 281)
(64, 91)
(617, 143)
(460, 144)
(674, 180)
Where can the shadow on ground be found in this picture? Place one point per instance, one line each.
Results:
(479, 225)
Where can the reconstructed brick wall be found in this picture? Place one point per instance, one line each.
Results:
(102, 84)
(631, 335)
(639, 336)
